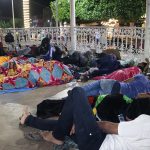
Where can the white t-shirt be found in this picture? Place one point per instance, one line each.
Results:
(132, 135)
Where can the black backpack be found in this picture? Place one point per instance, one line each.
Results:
(49, 108)
(9, 38)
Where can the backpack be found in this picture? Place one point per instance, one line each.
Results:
(9, 38)
(49, 108)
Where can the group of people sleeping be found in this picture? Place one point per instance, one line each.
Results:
(96, 126)
(92, 126)
(83, 66)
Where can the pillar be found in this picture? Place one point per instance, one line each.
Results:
(13, 17)
(57, 21)
(26, 13)
(147, 30)
(73, 25)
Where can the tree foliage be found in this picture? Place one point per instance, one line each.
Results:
(92, 10)
(63, 10)
(5, 24)
(9, 24)
(129, 10)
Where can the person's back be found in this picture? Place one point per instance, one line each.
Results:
(107, 63)
(132, 135)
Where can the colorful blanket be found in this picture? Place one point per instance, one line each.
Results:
(4, 59)
(29, 73)
(121, 75)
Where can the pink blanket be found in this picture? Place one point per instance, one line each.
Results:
(121, 75)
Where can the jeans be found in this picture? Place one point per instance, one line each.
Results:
(101, 87)
(42, 124)
(92, 89)
(76, 111)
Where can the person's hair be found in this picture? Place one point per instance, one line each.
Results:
(46, 41)
(142, 65)
(138, 107)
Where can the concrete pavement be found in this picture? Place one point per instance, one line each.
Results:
(11, 105)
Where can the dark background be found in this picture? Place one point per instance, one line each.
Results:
(36, 8)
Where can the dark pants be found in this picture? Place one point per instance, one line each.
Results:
(76, 111)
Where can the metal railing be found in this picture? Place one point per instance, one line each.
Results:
(129, 40)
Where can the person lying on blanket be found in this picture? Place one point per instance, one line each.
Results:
(105, 64)
(131, 87)
(77, 119)
(121, 74)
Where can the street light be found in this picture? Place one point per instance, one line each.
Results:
(49, 23)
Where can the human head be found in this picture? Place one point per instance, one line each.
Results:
(116, 88)
(142, 65)
(45, 41)
(137, 107)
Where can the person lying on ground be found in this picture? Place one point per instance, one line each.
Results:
(121, 74)
(131, 87)
(110, 107)
(90, 134)
(105, 64)
(106, 107)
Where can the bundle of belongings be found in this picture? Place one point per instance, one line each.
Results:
(24, 72)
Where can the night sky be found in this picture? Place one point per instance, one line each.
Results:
(36, 7)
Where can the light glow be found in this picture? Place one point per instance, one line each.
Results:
(26, 13)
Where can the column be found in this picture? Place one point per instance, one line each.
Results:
(57, 21)
(73, 25)
(147, 30)
(26, 13)
(12, 2)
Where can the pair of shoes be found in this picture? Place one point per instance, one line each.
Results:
(34, 136)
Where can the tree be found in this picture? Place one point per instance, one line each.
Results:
(100, 10)
(63, 10)
(8, 23)
(18, 23)
(5, 24)
(129, 11)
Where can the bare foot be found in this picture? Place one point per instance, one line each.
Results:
(47, 136)
(25, 114)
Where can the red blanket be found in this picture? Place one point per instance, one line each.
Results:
(121, 75)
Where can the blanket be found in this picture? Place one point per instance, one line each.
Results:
(29, 73)
(121, 75)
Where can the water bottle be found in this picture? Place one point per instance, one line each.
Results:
(121, 117)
